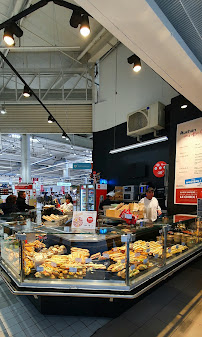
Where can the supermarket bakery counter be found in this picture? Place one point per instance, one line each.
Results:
(114, 262)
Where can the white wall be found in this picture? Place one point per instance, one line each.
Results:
(134, 90)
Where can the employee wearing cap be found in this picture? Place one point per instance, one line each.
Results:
(152, 208)
(107, 201)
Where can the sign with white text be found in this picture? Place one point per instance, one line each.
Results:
(188, 165)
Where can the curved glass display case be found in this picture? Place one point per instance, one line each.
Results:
(112, 261)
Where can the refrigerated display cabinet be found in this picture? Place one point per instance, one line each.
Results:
(108, 262)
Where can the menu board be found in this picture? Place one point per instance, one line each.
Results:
(188, 165)
(84, 220)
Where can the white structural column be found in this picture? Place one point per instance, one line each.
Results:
(25, 154)
(66, 171)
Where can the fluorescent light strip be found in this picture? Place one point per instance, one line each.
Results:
(135, 146)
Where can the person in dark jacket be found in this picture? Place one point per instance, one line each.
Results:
(108, 201)
(10, 205)
(21, 204)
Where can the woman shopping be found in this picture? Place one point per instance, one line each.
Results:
(67, 206)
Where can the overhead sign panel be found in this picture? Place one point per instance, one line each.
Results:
(60, 183)
(82, 166)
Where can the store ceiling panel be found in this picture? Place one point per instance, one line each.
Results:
(146, 31)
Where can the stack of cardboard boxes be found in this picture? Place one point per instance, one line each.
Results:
(118, 193)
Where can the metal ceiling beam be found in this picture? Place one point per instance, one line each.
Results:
(40, 49)
(5, 84)
(75, 85)
(52, 84)
(90, 45)
(43, 71)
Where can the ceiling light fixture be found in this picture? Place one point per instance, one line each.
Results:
(51, 119)
(135, 60)
(135, 146)
(27, 91)
(184, 106)
(64, 135)
(75, 19)
(85, 26)
(3, 110)
(10, 30)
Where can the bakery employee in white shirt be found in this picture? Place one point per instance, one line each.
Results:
(67, 206)
(152, 208)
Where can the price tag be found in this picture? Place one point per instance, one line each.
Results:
(105, 255)
(53, 264)
(183, 243)
(66, 229)
(145, 261)
(114, 249)
(169, 250)
(156, 256)
(123, 261)
(72, 270)
(148, 250)
(128, 216)
(160, 231)
(39, 268)
(132, 267)
(137, 254)
(88, 260)
(78, 259)
(177, 246)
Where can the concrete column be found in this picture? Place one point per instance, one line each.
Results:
(66, 171)
(25, 155)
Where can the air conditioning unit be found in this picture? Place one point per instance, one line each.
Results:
(146, 120)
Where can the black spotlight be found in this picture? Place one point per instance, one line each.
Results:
(85, 26)
(27, 92)
(51, 119)
(10, 30)
(135, 60)
(75, 19)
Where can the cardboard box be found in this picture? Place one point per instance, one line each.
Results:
(118, 196)
(113, 213)
(118, 189)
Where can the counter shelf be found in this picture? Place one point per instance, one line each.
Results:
(108, 262)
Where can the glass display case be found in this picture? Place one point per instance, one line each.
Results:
(122, 261)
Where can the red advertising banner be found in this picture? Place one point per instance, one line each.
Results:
(188, 195)
(23, 187)
(182, 217)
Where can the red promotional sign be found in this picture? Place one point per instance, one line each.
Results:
(35, 179)
(20, 180)
(24, 187)
(188, 195)
(90, 219)
(159, 169)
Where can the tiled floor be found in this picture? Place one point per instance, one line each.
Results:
(172, 309)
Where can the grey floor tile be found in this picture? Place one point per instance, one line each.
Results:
(94, 326)
(11, 322)
(27, 323)
(31, 331)
(50, 331)
(43, 324)
(14, 329)
(170, 311)
(152, 328)
(85, 333)
(88, 320)
(78, 326)
(60, 325)
(103, 320)
(119, 327)
(67, 332)
(71, 319)
(20, 334)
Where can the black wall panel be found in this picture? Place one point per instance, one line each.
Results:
(135, 166)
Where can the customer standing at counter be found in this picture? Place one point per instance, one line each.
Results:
(10, 205)
(21, 204)
(108, 200)
(152, 208)
(67, 206)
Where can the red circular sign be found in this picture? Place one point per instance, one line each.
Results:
(90, 219)
(159, 169)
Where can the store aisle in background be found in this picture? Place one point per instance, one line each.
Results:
(172, 309)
